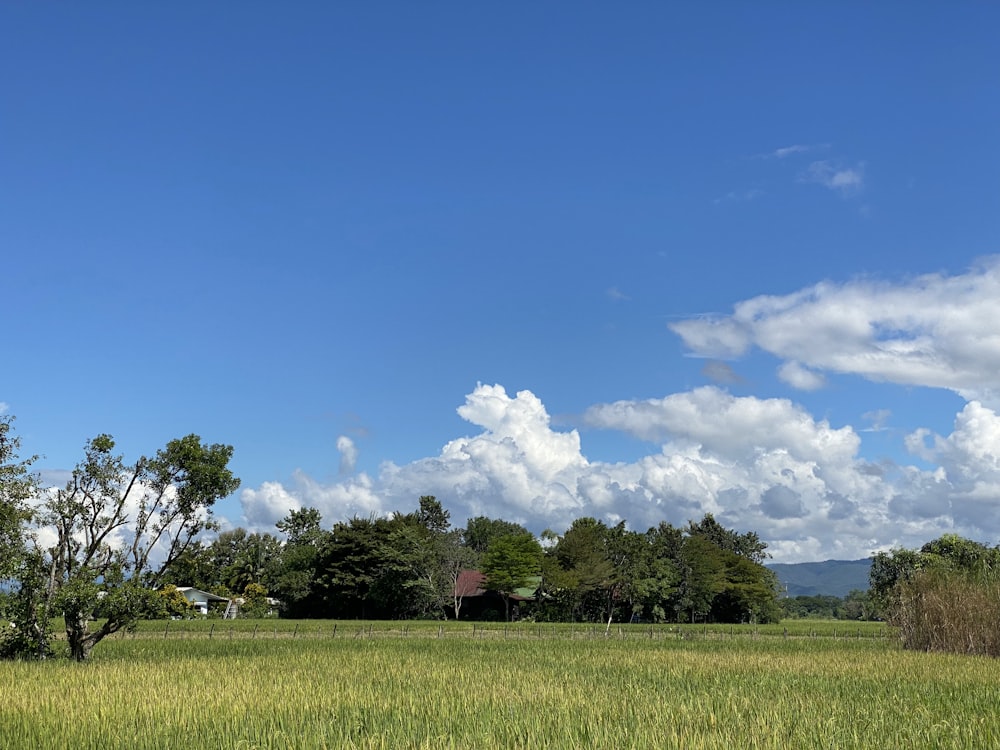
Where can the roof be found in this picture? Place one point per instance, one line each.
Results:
(474, 583)
(190, 592)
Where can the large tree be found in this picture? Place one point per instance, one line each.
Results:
(20, 569)
(121, 526)
(17, 486)
(510, 563)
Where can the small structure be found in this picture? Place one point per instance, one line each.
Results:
(478, 602)
(201, 599)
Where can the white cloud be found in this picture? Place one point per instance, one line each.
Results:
(842, 179)
(4, 406)
(758, 464)
(739, 196)
(614, 293)
(878, 418)
(935, 330)
(348, 454)
(798, 148)
(800, 377)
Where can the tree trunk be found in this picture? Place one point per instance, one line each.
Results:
(77, 637)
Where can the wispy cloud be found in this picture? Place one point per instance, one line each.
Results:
(842, 179)
(798, 148)
(936, 331)
(616, 294)
(739, 195)
(720, 372)
(878, 418)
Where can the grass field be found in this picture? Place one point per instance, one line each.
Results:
(297, 685)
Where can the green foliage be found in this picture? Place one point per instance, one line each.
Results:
(704, 572)
(255, 604)
(168, 603)
(158, 504)
(944, 597)
(510, 563)
(857, 605)
(17, 485)
(481, 531)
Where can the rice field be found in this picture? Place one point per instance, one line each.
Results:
(393, 685)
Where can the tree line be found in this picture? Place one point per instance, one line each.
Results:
(127, 532)
(408, 565)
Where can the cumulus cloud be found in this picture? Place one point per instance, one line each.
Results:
(935, 330)
(348, 454)
(4, 406)
(760, 464)
(800, 377)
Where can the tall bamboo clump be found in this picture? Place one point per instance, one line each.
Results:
(952, 611)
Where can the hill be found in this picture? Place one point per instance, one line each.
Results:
(829, 578)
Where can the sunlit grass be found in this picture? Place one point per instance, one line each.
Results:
(565, 689)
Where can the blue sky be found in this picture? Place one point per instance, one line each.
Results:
(640, 262)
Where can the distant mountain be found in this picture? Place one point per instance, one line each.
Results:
(830, 578)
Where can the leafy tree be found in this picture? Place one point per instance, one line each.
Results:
(893, 571)
(110, 555)
(749, 592)
(582, 571)
(169, 602)
(663, 574)
(351, 566)
(888, 572)
(22, 571)
(481, 531)
(746, 545)
(510, 563)
(255, 604)
(702, 568)
(301, 527)
(858, 606)
(256, 562)
(17, 486)
(432, 515)
(294, 578)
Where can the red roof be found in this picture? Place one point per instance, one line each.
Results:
(470, 583)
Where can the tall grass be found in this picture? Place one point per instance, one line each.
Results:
(491, 692)
(954, 611)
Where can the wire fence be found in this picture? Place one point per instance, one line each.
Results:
(309, 629)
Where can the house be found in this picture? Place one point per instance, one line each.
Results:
(480, 603)
(201, 599)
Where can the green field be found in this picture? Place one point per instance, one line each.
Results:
(275, 684)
